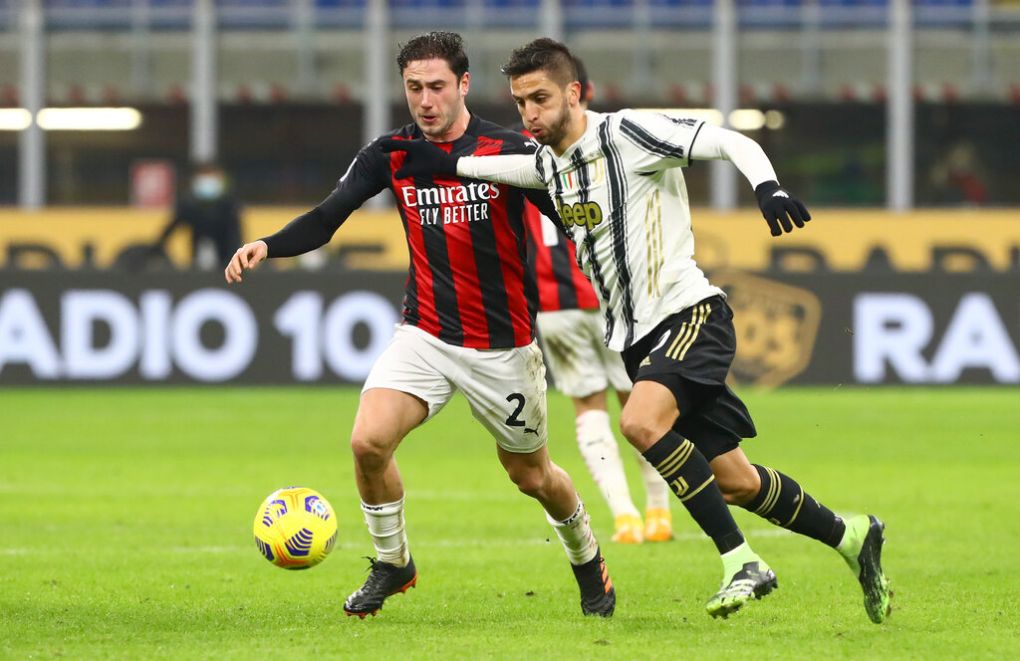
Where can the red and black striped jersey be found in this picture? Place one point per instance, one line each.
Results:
(468, 283)
(553, 263)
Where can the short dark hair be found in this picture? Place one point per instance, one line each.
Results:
(447, 46)
(542, 54)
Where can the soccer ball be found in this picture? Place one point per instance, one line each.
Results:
(295, 528)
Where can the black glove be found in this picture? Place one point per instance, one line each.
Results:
(780, 207)
(424, 159)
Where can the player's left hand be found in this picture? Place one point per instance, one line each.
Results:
(424, 159)
(780, 208)
(245, 258)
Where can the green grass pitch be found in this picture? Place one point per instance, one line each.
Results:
(126, 533)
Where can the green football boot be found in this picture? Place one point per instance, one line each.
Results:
(753, 580)
(861, 547)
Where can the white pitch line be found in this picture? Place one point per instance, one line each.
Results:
(453, 542)
(534, 541)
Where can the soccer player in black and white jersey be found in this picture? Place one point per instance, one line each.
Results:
(570, 329)
(468, 321)
(616, 180)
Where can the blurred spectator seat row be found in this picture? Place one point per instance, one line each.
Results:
(284, 14)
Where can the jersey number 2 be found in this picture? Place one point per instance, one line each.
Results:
(512, 419)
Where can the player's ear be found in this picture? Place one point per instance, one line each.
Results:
(574, 92)
(465, 83)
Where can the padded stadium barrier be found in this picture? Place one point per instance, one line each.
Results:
(327, 327)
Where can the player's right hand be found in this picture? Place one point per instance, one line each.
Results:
(246, 258)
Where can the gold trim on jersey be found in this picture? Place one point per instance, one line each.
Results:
(653, 240)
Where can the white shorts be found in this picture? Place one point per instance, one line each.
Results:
(505, 387)
(580, 362)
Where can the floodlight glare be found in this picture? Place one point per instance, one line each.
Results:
(747, 119)
(14, 119)
(89, 119)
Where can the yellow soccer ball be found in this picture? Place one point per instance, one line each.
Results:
(295, 528)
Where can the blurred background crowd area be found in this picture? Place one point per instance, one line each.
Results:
(290, 82)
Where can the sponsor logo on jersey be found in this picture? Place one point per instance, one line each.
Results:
(445, 205)
(436, 195)
(586, 214)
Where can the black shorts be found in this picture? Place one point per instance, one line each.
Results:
(690, 353)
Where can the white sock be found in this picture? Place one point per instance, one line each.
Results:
(602, 455)
(656, 490)
(386, 525)
(576, 536)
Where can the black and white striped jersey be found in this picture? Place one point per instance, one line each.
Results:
(620, 193)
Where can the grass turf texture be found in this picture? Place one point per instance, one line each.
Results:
(127, 534)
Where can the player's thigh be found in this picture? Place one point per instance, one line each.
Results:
(385, 416)
(506, 391)
(416, 365)
(690, 355)
(572, 341)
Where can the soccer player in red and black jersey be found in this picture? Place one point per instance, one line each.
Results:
(571, 331)
(468, 321)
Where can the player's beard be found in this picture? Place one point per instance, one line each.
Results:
(555, 132)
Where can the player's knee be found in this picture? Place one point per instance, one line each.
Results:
(739, 488)
(530, 480)
(371, 450)
(640, 431)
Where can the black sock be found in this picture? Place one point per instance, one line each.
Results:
(689, 476)
(783, 502)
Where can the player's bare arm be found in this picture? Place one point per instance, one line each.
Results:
(247, 257)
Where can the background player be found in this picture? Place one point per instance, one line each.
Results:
(467, 322)
(213, 214)
(616, 181)
(571, 330)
